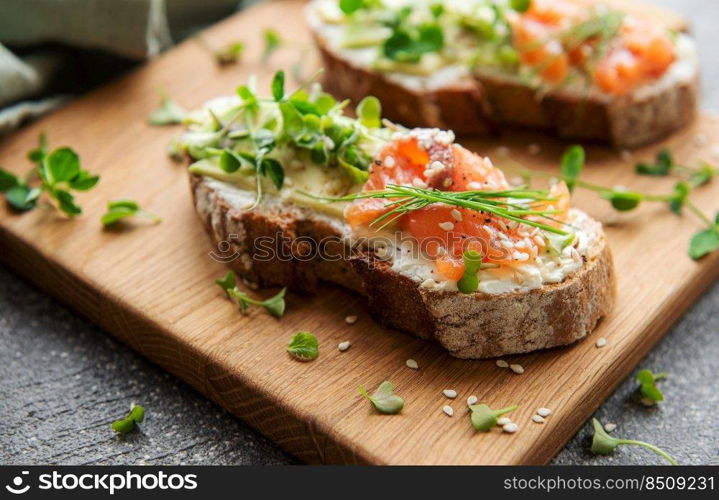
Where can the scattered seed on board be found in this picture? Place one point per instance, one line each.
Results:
(343, 346)
(601, 342)
(518, 369)
(534, 149)
(504, 421)
(351, 320)
(544, 412)
(472, 400)
(502, 363)
(412, 364)
(510, 427)
(450, 393)
(448, 410)
(610, 427)
(538, 419)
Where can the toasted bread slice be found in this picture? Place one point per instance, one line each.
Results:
(477, 325)
(483, 101)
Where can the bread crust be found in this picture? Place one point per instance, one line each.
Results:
(473, 326)
(483, 105)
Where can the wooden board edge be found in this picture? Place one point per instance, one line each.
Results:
(308, 440)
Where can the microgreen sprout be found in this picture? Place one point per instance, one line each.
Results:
(168, 113)
(129, 423)
(272, 41)
(604, 444)
(304, 346)
(384, 399)
(469, 282)
(275, 305)
(121, 209)
(485, 418)
(651, 394)
(230, 53)
(664, 165)
(60, 174)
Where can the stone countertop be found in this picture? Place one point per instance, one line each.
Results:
(63, 380)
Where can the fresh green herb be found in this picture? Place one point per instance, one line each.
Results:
(571, 165)
(469, 282)
(304, 346)
(175, 151)
(704, 242)
(484, 418)
(384, 399)
(274, 305)
(369, 112)
(405, 199)
(648, 388)
(168, 113)
(351, 6)
(129, 423)
(229, 54)
(38, 154)
(409, 44)
(121, 209)
(665, 165)
(278, 86)
(604, 444)
(272, 43)
(520, 5)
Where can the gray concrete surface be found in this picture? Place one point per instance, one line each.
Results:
(62, 380)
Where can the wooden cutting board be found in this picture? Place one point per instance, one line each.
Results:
(152, 286)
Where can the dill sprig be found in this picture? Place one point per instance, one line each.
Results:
(512, 204)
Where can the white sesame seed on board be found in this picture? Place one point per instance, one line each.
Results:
(610, 427)
(412, 364)
(518, 369)
(534, 149)
(511, 427)
(538, 419)
(504, 421)
(472, 400)
(503, 151)
(626, 155)
(343, 346)
(446, 226)
(456, 214)
(448, 410)
(700, 140)
(351, 320)
(544, 412)
(502, 363)
(450, 393)
(601, 342)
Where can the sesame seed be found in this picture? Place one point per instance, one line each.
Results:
(351, 320)
(610, 427)
(518, 369)
(428, 283)
(474, 186)
(626, 155)
(417, 182)
(511, 427)
(447, 182)
(389, 161)
(447, 226)
(412, 364)
(503, 151)
(544, 412)
(472, 400)
(456, 214)
(539, 240)
(450, 393)
(538, 419)
(601, 342)
(503, 225)
(534, 149)
(502, 363)
(448, 410)
(343, 346)
(504, 421)
(700, 140)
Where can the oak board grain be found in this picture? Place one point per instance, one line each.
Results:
(152, 286)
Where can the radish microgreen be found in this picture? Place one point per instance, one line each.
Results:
(229, 54)
(604, 444)
(384, 399)
(485, 418)
(665, 165)
(129, 423)
(275, 305)
(651, 394)
(469, 282)
(272, 41)
(304, 346)
(169, 112)
(121, 209)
